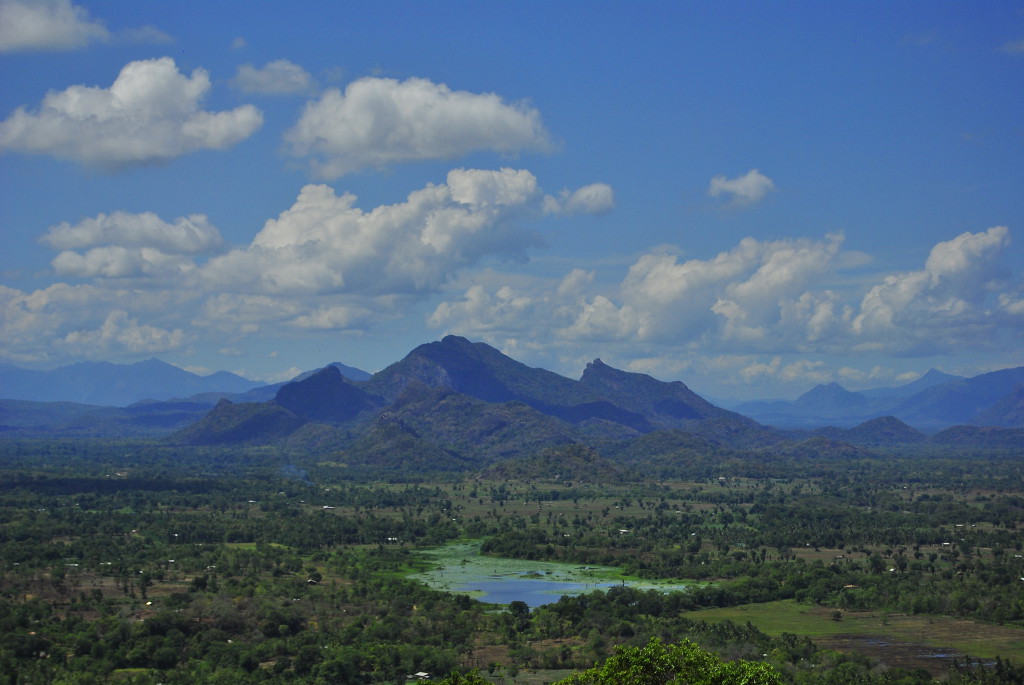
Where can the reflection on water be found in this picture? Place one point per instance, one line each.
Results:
(501, 581)
(533, 591)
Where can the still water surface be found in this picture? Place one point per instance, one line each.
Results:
(462, 569)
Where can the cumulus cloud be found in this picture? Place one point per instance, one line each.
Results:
(780, 298)
(596, 198)
(757, 293)
(943, 304)
(280, 77)
(114, 261)
(193, 234)
(741, 292)
(150, 114)
(323, 264)
(47, 25)
(377, 122)
(122, 245)
(744, 190)
(122, 334)
(89, 321)
(324, 243)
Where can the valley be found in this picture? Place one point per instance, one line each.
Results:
(150, 563)
(461, 513)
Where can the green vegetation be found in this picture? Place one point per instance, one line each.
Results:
(658, 664)
(141, 562)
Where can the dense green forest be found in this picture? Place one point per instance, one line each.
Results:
(140, 562)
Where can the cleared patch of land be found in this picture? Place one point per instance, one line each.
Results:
(897, 639)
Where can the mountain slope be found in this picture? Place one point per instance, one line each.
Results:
(473, 402)
(669, 405)
(931, 378)
(483, 432)
(1007, 412)
(939, 403)
(830, 399)
(480, 371)
(959, 402)
(326, 397)
(885, 430)
(241, 424)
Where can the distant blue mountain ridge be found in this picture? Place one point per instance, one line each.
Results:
(160, 395)
(119, 385)
(936, 400)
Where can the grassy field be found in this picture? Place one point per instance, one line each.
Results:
(856, 630)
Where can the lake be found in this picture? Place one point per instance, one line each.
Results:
(462, 569)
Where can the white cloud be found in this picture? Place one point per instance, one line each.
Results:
(47, 25)
(940, 306)
(246, 314)
(758, 293)
(748, 189)
(280, 77)
(596, 198)
(125, 245)
(144, 35)
(741, 293)
(332, 317)
(759, 369)
(114, 261)
(122, 334)
(325, 244)
(780, 298)
(193, 234)
(150, 114)
(377, 122)
(90, 321)
(323, 264)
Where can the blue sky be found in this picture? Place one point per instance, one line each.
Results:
(750, 197)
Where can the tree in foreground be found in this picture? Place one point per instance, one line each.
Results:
(660, 664)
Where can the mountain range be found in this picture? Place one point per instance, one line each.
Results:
(106, 384)
(933, 402)
(100, 399)
(456, 404)
(461, 405)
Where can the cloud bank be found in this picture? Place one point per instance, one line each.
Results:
(147, 285)
(773, 298)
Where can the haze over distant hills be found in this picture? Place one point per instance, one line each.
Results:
(103, 383)
(454, 401)
(119, 385)
(100, 399)
(466, 405)
(934, 401)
